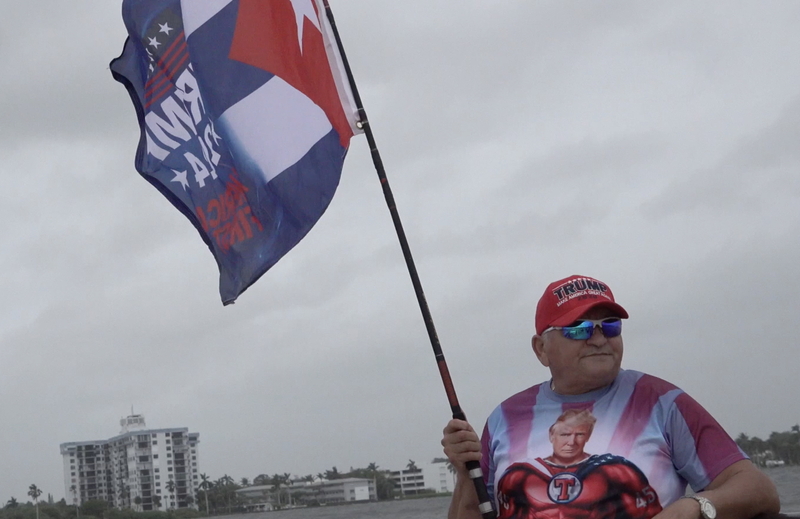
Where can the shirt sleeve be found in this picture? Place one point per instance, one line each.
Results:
(700, 447)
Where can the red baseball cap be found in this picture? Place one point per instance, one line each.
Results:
(567, 299)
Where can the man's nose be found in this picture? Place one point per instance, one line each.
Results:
(597, 338)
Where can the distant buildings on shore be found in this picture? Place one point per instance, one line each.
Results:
(300, 493)
(142, 469)
(157, 469)
(422, 479)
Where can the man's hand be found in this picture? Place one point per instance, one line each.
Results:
(461, 444)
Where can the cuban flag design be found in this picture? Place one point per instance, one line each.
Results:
(245, 115)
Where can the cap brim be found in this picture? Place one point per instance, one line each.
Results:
(574, 314)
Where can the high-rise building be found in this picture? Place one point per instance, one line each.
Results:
(141, 469)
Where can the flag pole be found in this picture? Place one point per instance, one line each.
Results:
(475, 473)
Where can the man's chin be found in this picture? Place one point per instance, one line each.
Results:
(604, 371)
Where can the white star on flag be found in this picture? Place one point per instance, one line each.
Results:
(165, 28)
(304, 9)
(154, 42)
(180, 176)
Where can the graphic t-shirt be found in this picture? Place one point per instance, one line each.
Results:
(649, 440)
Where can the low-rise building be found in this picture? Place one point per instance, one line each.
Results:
(267, 497)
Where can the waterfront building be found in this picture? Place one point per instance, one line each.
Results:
(408, 481)
(438, 476)
(142, 469)
(267, 497)
(427, 477)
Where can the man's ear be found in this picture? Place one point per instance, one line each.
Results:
(538, 348)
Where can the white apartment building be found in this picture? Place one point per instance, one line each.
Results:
(427, 477)
(142, 469)
(438, 476)
(408, 481)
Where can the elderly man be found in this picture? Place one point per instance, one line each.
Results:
(656, 428)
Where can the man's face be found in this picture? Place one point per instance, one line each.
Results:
(568, 439)
(581, 366)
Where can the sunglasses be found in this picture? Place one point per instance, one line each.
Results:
(583, 329)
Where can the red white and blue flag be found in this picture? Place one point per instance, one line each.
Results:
(246, 116)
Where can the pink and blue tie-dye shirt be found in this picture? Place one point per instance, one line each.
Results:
(646, 420)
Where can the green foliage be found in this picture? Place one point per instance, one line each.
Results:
(94, 507)
(15, 510)
(780, 446)
(185, 513)
(332, 474)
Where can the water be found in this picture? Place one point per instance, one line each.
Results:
(427, 508)
(787, 479)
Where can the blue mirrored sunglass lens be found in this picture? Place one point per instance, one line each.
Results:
(584, 329)
(579, 332)
(612, 328)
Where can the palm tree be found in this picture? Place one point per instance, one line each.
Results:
(12, 503)
(205, 483)
(74, 490)
(226, 487)
(412, 466)
(287, 480)
(35, 492)
(372, 470)
(171, 489)
(276, 481)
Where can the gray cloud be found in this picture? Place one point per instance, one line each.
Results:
(650, 146)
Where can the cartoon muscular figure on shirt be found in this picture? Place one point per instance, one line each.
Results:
(573, 484)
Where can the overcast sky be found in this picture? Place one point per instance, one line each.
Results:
(655, 146)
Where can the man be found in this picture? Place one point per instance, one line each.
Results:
(661, 431)
(571, 483)
(568, 436)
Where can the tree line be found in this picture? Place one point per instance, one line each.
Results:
(779, 447)
(221, 496)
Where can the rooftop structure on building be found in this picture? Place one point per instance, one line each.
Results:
(142, 469)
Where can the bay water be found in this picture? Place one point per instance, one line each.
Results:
(787, 480)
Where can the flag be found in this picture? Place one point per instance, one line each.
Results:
(245, 115)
